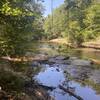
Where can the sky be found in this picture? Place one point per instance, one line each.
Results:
(47, 5)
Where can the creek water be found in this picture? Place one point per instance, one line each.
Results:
(83, 81)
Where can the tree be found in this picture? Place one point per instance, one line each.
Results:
(78, 20)
(59, 23)
(16, 25)
(92, 22)
(76, 16)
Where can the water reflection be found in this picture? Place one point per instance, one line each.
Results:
(14, 74)
(81, 86)
(56, 49)
(85, 80)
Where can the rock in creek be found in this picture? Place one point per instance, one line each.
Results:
(64, 60)
(59, 60)
(71, 61)
(79, 62)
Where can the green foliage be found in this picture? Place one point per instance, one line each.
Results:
(76, 16)
(10, 82)
(17, 18)
(92, 22)
(76, 19)
(59, 23)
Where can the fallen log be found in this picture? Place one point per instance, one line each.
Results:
(71, 93)
(95, 61)
(47, 87)
(33, 84)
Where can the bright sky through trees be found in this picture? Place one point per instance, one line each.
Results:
(47, 5)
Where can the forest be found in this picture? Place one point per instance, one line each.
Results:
(78, 20)
(53, 57)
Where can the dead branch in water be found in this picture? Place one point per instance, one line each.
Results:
(47, 87)
(95, 61)
(71, 93)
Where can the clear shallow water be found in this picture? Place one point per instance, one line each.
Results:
(52, 77)
(85, 81)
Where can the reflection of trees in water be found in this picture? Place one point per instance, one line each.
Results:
(11, 81)
(25, 68)
(82, 76)
(14, 74)
(68, 80)
(64, 49)
(66, 84)
(94, 86)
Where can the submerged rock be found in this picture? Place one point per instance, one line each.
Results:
(69, 61)
(95, 76)
(78, 62)
(73, 58)
(58, 60)
(61, 58)
(36, 63)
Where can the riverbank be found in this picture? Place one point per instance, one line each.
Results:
(91, 44)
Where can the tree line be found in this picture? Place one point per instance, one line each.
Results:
(21, 22)
(78, 20)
